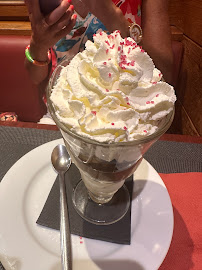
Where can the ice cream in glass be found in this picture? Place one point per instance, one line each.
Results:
(111, 105)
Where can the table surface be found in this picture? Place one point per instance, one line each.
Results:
(181, 156)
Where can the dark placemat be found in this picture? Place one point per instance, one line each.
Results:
(164, 156)
(119, 232)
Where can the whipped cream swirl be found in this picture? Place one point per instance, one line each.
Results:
(112, 92)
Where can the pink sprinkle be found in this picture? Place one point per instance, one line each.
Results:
(132, 63)
(109, 59)
(127, 98)
(157, 95)
(152, 102)
(112, 124)
(145, 131)
(81, 242)
(129, 50)
(107, 50)
(107, 90)
(128, 103)
(94, 35)
(109, 75)
(154, 82)
(104, 63)
(121, 66)
(142, 50)
(112, 47)
(80, 237)
(123, 57)
(93, 112)
(118, 89)
(101, 34)
(148, 102)
(119, 48)
(125, 128)
(106, 41)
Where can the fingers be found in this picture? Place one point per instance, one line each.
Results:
(55, 16)
(33, 8)
(64, 20)
(65, 30)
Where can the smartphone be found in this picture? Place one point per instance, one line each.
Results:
(47, 6)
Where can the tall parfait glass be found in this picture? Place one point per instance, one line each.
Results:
(101, 196)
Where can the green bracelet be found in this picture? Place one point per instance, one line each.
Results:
(35, 62)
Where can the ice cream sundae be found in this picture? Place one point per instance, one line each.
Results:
(111, 105)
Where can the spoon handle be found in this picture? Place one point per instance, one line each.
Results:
(65, 236)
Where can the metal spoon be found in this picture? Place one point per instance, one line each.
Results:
(61, 162)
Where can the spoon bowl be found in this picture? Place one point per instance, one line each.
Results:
(60, 158)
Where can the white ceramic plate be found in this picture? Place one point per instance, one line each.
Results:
(24, 245)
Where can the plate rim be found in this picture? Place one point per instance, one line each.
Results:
(51, 144)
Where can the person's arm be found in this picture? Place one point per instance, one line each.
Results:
(46, 31)
(156, 35)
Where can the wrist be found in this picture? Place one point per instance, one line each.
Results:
(38, 51)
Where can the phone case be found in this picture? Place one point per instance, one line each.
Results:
(47, 6)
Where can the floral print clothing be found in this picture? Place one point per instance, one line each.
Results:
(84, 29)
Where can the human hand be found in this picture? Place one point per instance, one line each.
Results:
(47, 30)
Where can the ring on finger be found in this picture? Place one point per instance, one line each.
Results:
(44, 23)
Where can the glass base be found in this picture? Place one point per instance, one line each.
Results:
(101, 214)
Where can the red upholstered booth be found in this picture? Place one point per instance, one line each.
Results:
(17, 93)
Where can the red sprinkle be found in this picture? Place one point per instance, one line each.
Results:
(145, 131)
(106, 41)
(127, 98)
(81, 242)
(109, 75)
(148, 102)
(157, 95)
(121, 65)
(160, 74)
(112, 124)
(119, 48)
(107, 90)
(142, 50)
(154, 82)
(112, 47)
(132, 63)
(105, 63)
(128, 103)
(93, 112)
(94, 35)
(109, 59)
(129, 50)
(125, 128)
(107, 50)
(101, 34)
(152, 102)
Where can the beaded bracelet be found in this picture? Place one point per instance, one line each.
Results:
(35, 62)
